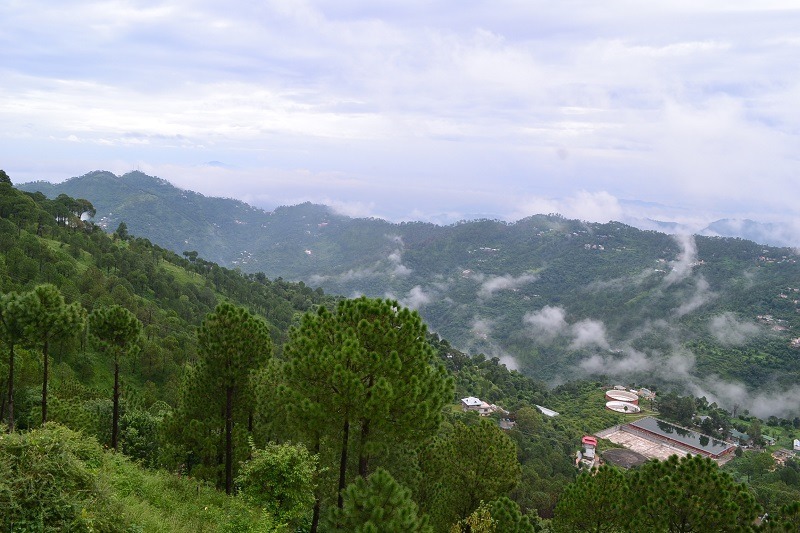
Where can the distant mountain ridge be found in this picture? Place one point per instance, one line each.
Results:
(551, 296)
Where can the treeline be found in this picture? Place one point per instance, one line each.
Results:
(318, 413)
(100, 332)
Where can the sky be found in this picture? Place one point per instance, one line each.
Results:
(686, 111)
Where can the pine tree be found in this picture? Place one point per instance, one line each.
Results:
(47, 319)
(508, 517)
(232, 345)
(687, 494)
(12, 331)
(377, 504)
(116, 330)
(594, 503)
(472, 464)
(363, 375)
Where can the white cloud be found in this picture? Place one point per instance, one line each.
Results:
(416, 109)
(501, 283)
(546, 323)
(681, 267)
(416, 298)
(631, 363)
(591, 207)
(588, 333)
(481, 328)
(729, 330)
(701, 296)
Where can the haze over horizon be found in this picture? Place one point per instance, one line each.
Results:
(433, 111)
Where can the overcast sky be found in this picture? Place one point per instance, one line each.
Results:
(410, 109)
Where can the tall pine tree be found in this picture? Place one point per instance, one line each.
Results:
(116, 330)
(366, 374)
(49, 319)
(12, 331)
(218, 400)
(473, 463)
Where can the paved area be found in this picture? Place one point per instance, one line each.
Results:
(648, 448)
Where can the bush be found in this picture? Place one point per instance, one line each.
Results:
(49, 482)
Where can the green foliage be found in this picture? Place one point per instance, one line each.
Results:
(508, 518)
(786, 520)
(595, 502)
(12, 333)
(48, 482)
(281, 479)
(688, 494)
(678, 495)
(116, 331)
(115, 328)
(215, 415)
(366, 374)
(473, 463)
(377, 504)
(48, 319)
(754, 464)
(122, 231)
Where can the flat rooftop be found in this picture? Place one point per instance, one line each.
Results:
(685, 438)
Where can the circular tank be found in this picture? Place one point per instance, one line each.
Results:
(623, 407)
(623, 396)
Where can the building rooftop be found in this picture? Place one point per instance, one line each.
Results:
(471, 401)
(545, 411)
(697, 442)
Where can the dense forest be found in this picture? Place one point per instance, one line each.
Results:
(143, 390)
(555, 298)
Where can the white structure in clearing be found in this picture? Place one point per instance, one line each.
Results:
(471, 403)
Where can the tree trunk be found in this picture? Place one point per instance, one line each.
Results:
(228, 440)
(317, 501)
(11, 389)
(115, 417)
(44, 383)
(363, 457)
(343, 463)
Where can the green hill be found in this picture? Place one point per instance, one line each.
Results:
(171, 450)
(553, 297)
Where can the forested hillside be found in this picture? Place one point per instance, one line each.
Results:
(556, 298)
(310, 412)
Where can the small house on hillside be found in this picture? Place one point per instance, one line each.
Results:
(647, 394)
(471, 403)
(796, 445)
(740, 438)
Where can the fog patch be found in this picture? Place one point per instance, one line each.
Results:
(481, 328)
(782, 403)
(619, 283)
(702, 295)
(397, 268)
(509, 361)
(682, 266)
(730, 331)
(416, 298)
(632, 362)
(587, 333)
(546, 323)
(350, 275)
(500, 283)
